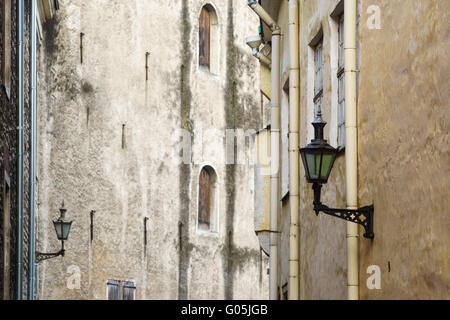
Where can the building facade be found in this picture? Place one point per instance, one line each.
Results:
(9, 151)
(138, 102)
(17, 240)
(402, 147)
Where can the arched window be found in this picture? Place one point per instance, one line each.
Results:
(207, 200)
(208, 39)
(204, 37)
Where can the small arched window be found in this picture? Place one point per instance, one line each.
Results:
(207, 200)
(204, 37)
(208, 39)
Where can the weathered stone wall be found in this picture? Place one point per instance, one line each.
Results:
(323, 266)
(403, 162)
(403, 148)
(109, 142)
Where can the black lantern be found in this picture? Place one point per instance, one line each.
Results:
(318, 156)
(62, 225)
(62, 228)
(318, 159)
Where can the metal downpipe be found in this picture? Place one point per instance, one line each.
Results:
(20, 145)
(351, 147)
(274, 163)
(274, 145)
(294, 103)
(259, 10)
(32, 235)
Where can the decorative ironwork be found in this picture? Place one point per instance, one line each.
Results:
(62, 228)
(362, 216)
(45, 256)
(318, 158)
(40, 256)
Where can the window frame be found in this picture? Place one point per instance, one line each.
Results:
(215, 43)
(128, 285)
(204, 200)
(318, 76)
(284, 169)
(204, 61)
(121, 286)
(214, 202)
(341, 84)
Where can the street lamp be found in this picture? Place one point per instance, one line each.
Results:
(62, 228)
(318, 159)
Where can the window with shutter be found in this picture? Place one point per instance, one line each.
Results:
(204, 37)
(341, 85)
(113, 290)
(285, 140)
(121, 290)
(204, 203)
(129, 289)
(207, 215)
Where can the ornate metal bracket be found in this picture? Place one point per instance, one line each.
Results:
(40, 256)
(45, 256)
(362, 216)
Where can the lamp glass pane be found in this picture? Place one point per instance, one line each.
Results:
(58, 229)
(305, 165)
(327, 163)
(66, 230)
(319, 164)
(313, 165)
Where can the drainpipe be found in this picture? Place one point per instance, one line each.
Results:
(274, 146)
(351, 147)
(259, 10)
(32, 235)
(20, 163)
(294, 95)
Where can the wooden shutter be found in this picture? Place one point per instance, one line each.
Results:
(204, 202)
(204, 37)
(113, 290)
(128, 290)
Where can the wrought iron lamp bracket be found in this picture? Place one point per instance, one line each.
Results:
(40, 256)
(362, 216)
